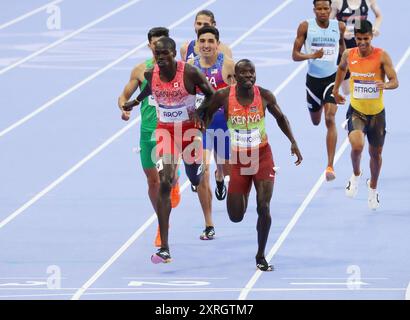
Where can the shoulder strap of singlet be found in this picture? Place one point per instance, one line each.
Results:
(190, 49)
(197, 62)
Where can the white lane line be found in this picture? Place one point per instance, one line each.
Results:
(120, 251)
(96, 151)
(249, 286)
(127, 291)
(28, 14)
(91, 77)
(69, 36)
(203, 289)
(135, 236)
(69, 172)
(260, 23)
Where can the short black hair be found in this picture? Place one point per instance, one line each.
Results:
(208, 13)
(209, 29)
(243, 61)
(158, 32)
(314, 1)
(363, 26)
(167, 42)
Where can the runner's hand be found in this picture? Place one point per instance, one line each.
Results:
(199, 123)
(130, 104)
(339, 98)
(125, 115)
(295, 150)
(380, 85)
(318, 54)
(349, 34)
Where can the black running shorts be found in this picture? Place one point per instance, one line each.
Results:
(374, 126)
(319, 91)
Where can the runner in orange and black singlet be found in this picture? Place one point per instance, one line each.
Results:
(369, 67)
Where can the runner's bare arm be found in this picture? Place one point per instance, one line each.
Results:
(336, 7)
(282, 121)
(228, 71)
(183, 50)
(378, 14)
(132, 85)
(207, 109)
(297, 54)
(342, 45)
(198, 80)
(340, 75)
(143, 94)
(225, 50)
(391, 74)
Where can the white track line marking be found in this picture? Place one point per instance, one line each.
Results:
(249, 286)
(88, 79)
(28, 14)
(126, 291)
(261, 23)
(96, 151)
(69, 36)
(135, 236)
(69, 172)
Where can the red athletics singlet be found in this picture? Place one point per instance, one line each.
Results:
(252, 156)
(176, 107)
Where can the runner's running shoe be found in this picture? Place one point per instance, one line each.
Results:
(208, 233)
(161, 256)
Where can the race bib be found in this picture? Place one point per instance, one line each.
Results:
(152, 101)
(246, 139)
(198, 100)
(365, 90)
(172, 115)
(329, 52)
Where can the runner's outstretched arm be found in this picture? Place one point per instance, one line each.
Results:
(142, 95)
(340, 75)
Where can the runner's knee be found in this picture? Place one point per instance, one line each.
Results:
(375, 153)
(165, 185)
(263, 209)
(330, 120)
(357, 146)
(234, 216)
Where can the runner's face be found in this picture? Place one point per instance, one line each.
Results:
(202, 21)
(363, 41)
(164, 55)
(245, 75)
(151, 45)
(208, 45)
(322, 11)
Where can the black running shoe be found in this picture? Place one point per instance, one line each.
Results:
(194, 188)
(263, 265)
(220, 190)
(162, 256)
(208, 233)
